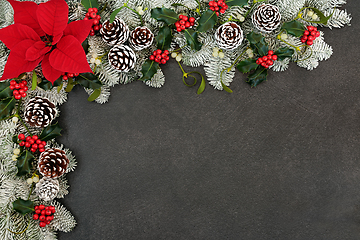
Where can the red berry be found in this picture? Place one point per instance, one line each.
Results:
(21, 91)
(306, 32)
(182, 27)
(33, 150)
(21, 85)
(22, 144)
(309, 42)
(43, 212)
(163, 61)
(16, 92)
(42, 217)
(47, 222)
(12, 82)
(17, 96)
(215, 4)
(270, 62)
(181, 16)
(17, 86)
(266, 66)
(65, 78)
(163, 55)
(263, 64)
(28, 138)
(191, 20)
(317, 34)
(87, 15)
(270, 52)
(35, 137)
(35, 146)
(21, 136)
(36, 207)
(41, 207)
(27, 145)
(260, 60)
(38, 141)
(86, 18)
(187, 24)
(212, 8)
(167, 58)
(211, 3)
(152, 57)
(158, 57)
(274, 57)
(157, 60)
(41, 149)
(37, 211)
(93, 15)
(47, 208)
(179, 29)
(48, 218)
(315, 29)
(95, 10)
(48, 212)
(216, 8)
(222, 11)
(90, 10)
(31, 141)
(310, 28)
(96, 22)
(36, 217)
(92, 33)
(12, 87)
(166, 52)
(265, 58)
(43, 143)
(42, 224)
(185, 18)
(303, 40)
(313, 33)
(98, 17)
(177, 24)
(257, 62)
(306, 37)
(182, 22)
(158, 52)
(25, 88)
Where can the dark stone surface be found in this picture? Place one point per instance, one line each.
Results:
(277, 162)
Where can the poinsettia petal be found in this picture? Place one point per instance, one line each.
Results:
(57, 38)
(16, 63)
(69, 56)
(15, 33)
(50, 73)
(37, 50)
(25, 13)
(79, 29)
(53, 16)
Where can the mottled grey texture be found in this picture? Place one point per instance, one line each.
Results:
(277, 162)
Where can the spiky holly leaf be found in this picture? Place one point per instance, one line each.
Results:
(192, 39)
(283, 53)
(166, 15)
(257, 77)
(23, 206)
(149, 68)
(207, 21)
(7, 105)
(90, 3)
(23, 163)
(164, 38)
(240, 3)
(294, 28)
(258, 43)
(247, 65)
(46, 85)
(50, 132)
(5, 91)
(88, 80)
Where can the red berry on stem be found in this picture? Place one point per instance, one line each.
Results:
(274, 57)
(158, 52)
(177, 24)
(152, 57)
(222, 11)
(216, 8)
(42, 217)
(182, 27)
(37, 211)
(309, 42)
(93, 15)
(15, 92)
(12, 82)
(65, 78)
(310, 28)
(35, 146)
(17, 96)
(41, 207)
(21, 85)
(163, 55)
(31, 141)
(306, 32)
(191, 20)
(265, 58)
(163, 61)
(96, 22)
(42, 224)
(181, 16)
(17, 86)
(179, 29)
(36, 217)
(35, 137)
(48, 212)
(212, 8)
(270, 52)
(166, 52)
(21, 136)
(187, 24)
(27, 145)
(185, 18)
(157, 60)
(182, 22)
(12, 87)
(25, 88)
(317, 34)
(22, 144)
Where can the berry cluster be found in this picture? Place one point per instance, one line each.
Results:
(33, 143)
(184, 22)
(218, 6)
(66, 76)
(160, 56)
(44, 214)
(310, 35)
(268, 60)
(92, 14)
(19, 88)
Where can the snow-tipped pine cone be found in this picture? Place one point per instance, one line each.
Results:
(229, 36)
(140, 38)
(39, 112)
(116, 32)
(53, 163)
(266, 18)
(47, 188)
(122, 58)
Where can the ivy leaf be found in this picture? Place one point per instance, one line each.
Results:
(258, 76)
(23, 163)
(294, 28)
(247, 65)
(94, 95)
(5, 91)
(23, 206)
(6, 107)
(90, 3)
(192, 39)
(258, 43)
(46, 85)
(240, 3)
(50, 132)
(166, 15)
(283, 53)
(207, 21)
(88, 80)
(164, 38)
(149, 68)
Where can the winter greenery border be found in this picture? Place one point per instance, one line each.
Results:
(220, 67)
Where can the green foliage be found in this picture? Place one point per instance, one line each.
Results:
(258, 76)
(283, 53)
(192, 39)
(47, 85)
(294, 28)
(226, 88)
(207, 21)
(149, 68)
(5, 91)
(34, 80)
(23, 206)
(89, 80)
(50, 132)
(23, 163)
(247, 65)
(258, 43)
(240, 3)
(323, 18)
(90, 3)
(164, 38)
(94, 95)
(6, 107)
(166, 15)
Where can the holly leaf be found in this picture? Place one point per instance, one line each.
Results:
(23, 163)
(164, 38)
(6, 107)
(94, 95)
(283, 53)
(258, 76)
(50, 132)
(46, 85)
(247, 65)
(23, 206)
(166, 15)
(240, 3)
(90, 3)
(5, 91)
(192, 39)
(207, 21)
(149, 68)
(294, 28)
(88, 80)
(258, 43)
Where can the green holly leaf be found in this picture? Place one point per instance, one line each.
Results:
(50, 132)
(207, 21)
(85, 45)
(166, 15)
(47, 85)
(5, 91)
(247, 65)
(90, 3)
(240, 3)
(258, 43)
(294, 28)
(164, 38)
(149, 68)
(258, 76)
(23, 163)
(283, 53)
(192, 39)
(88, 80)
(94, 95)
(23, 206)
(6, 107)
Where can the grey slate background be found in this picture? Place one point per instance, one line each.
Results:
(277, 162)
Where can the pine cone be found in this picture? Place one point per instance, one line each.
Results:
(39, 112)
(229, 36)
(122, 58)
(47, 188)
(140, 38)
(53, 163)
(116, 32)
(266, 17)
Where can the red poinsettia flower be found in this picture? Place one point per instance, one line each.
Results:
(41, 33)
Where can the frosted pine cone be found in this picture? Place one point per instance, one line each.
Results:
(140, 38)
(116, 32)
(39, 112)
(47, 188)
(266, 17)
(122, 58)
(229, 36)
(53, 163)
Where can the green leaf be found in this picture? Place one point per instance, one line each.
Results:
(323, 18)
(6, 107)
(207, 21)
(15, 139)
(294, 28)
(258, 76)
(240, 3)
(164, 38)
(50, 132)
(149, 68)
(113, 14)
(47, 85)
(5, 91)
(192, 39)
(88, 80)
(23, 163)
(247, 65)
(34, 80)
(202, 85)
(283, 53)
(23, 206)
(90, 3)
(166, 15)
(70, 85)
(226, 88)
(60, 87)
(258, 43)
(94, 95)
(85, 45)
